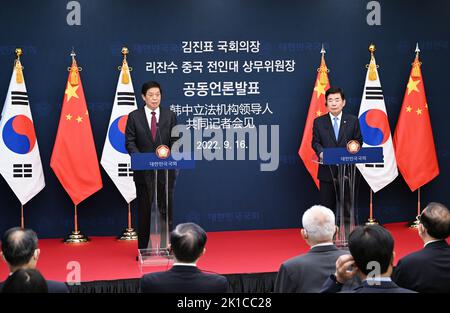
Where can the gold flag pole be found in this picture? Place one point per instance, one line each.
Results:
(372, 76)
(129, 233)
(22, 218)
(415, 224)
(76, 236)
(371, 220)
(19, 79)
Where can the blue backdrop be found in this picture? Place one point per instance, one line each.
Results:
(222, 195)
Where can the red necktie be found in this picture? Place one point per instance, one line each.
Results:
(154, 125)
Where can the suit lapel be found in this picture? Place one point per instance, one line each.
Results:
(330, 128)
(342, 128)
(145, 124)
(161, 124)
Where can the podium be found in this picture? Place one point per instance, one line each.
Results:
(345, 185)
(157, 252)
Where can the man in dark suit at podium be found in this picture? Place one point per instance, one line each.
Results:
(333, 130)
(428, 270)
(147, 128)
(187, 242)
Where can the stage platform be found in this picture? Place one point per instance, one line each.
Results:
(235, 254)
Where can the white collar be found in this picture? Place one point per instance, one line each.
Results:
(184, 264)
(431, 241)
(339, 117)
(377, 279)
(150, 110)
(322, 244)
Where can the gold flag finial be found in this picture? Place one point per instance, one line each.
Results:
(125, 68)
(18, 66)
(74, 69)
(416, 64)
(372, 66)
(323, 70)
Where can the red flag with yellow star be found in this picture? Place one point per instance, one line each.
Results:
(413, 137)
(316, 108)
(74, 159)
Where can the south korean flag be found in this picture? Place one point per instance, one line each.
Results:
(20, 162)
(115, 159)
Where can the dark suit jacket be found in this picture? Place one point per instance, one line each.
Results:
(323, 137)
(427, 270)
(308, 272)
(330, 286)
(138, 137)
(53, 287)
(183, 279)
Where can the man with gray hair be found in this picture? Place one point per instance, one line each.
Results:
(307, 272)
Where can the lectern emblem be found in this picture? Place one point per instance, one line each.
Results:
(353, 146)
(163, 152)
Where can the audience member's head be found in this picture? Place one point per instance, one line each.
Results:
(20, 248)
(372, 248)
(25, 281)
(318, 225)
(187, 242)
(434, 222)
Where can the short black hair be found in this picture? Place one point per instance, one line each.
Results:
(332, 90)
(436, 220)
(25, 281)
(371, 243)
(151, 84)
(18, 245)
(187, 241)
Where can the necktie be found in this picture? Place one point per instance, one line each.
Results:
(153, 125)
(336, 127)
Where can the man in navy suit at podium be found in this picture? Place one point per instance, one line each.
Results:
(147, 128)
(333, 130)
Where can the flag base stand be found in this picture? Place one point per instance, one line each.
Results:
(414, 224)
(76, 237)
(371, 221)
(128, 234)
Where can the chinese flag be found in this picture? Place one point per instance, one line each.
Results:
(74, 159)
(316, 108)
(413, 137)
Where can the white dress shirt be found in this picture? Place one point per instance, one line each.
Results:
(148, 114)
(339, 118)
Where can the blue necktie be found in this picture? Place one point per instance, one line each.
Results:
(336, 128)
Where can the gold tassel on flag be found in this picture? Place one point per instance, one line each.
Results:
(372, 72)
(323, 70)
(74, 69)
(416, 64)
(18, 65)
(125, 68)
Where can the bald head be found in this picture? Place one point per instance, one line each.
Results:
(18, 246)
(188, 241)
(435, 218)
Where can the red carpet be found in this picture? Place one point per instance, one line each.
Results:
(105, 258)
